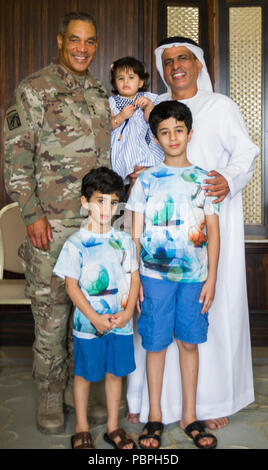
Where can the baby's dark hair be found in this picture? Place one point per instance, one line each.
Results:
(168, 109)
(104, 180)
(129, 63)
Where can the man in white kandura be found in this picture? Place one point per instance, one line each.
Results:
(220, 144)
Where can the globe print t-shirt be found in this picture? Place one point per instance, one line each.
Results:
(174, 241)
(102, 264)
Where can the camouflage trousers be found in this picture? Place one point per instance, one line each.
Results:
(51, 308)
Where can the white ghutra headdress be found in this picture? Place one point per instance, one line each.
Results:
(203, 81)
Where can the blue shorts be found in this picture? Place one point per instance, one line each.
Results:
(111, 353)
(171, 308)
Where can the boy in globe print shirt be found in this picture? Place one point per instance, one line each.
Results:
(102, 279)
(176, 231)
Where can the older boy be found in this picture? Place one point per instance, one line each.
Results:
(176, 231)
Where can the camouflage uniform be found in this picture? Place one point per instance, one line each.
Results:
(57, 128)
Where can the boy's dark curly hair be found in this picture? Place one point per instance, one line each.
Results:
(168, 109)
(104, 180)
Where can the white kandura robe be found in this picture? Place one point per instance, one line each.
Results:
(225, 385)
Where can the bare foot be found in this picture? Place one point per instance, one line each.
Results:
(133, 418)
(150, 443)
(217, 423)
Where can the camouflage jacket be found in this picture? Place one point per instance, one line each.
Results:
(57, 128)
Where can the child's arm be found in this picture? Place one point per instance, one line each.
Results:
(100, 322)
(119, 118)
(146, 104)
(213, 234)
(120, 319)
(137, 231)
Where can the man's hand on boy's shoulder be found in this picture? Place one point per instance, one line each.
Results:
(216, 187)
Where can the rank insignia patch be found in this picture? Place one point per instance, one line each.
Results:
(13, 120)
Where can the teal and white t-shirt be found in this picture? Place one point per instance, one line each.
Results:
(174, 241)
(102, 264)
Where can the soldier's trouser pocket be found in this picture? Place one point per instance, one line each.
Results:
(51, 308)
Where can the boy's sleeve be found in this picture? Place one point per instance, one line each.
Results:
(69, 262)
(210, 208)
(136, 201)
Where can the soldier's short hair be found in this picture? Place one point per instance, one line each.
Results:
(76, 15)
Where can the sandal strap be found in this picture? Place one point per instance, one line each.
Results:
(124, 440)
(201, 429)
(195, 426)
(152, 427)
(86, 440)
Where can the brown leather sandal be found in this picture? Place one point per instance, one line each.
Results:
(85, 438)
(124, 440)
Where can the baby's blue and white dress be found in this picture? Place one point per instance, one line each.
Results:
(132, 143)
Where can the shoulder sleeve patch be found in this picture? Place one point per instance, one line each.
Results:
(13, 119)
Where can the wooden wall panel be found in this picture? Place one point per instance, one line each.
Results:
(150, 20)
(119, 32)
(257, 286)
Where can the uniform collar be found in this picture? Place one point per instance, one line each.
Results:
(70, 82)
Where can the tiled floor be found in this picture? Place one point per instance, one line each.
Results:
(248, 429)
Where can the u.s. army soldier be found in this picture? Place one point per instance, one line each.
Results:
(57, 128)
